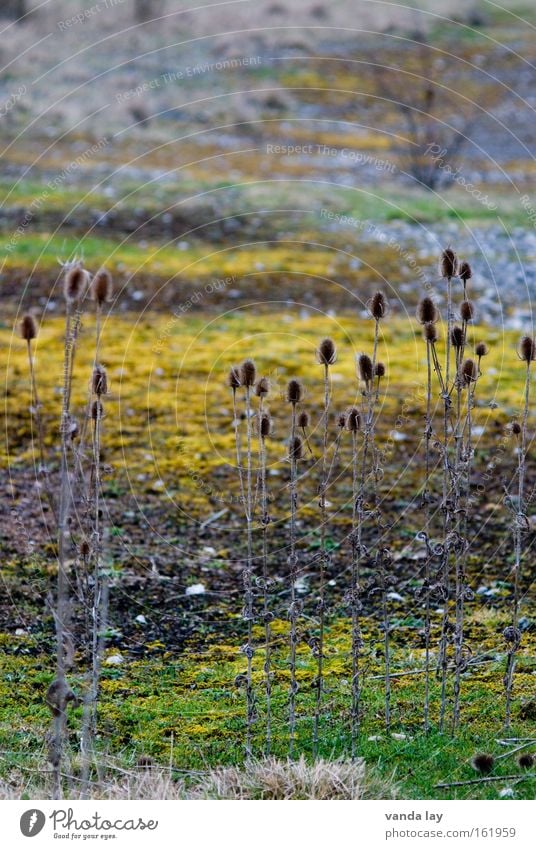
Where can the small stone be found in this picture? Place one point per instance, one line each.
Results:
(114, 660)
(195, 589)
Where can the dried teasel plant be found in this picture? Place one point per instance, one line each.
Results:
(512, 634)
(294, 395)
(326, 356)
(265, 426)
(353, 425)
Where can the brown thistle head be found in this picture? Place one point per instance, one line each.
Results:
(527, 349)
(99, 381)
(97, 410)
(262, 387)
(457, 336)
(364, 368)
(265, 425)
(481, 349)
(233, 378)
(464, 272)
(101, 286)
(295, 449)
(427, 311)
(468, 372)
(341, 420)
(28, 328)
(353, 420)
(515, 428)
(248, 373)
(327, 352)
(303, 420)
(483, 763)
(380, 370)
(379, 306)
(467, 311)
(75, 283)
(526, 760)
(294, 391)
(429, 333)
(448, 265)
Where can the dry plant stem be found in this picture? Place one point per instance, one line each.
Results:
(236, 422)
(380, 564)
(293, 562)
(443, 647)
(248, 582)
(265, 578)
(85, 423)
(36, 408)
(458, 510)
(518, 531)
(355, 602)
(323, 563)
(517, 777)
(427, 437)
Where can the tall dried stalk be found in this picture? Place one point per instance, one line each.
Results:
(326, 356)
(353, 423)
(512, 634)
(294, 393)
(264, 428)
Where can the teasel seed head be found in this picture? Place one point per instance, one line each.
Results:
(265, 425)
(248, 373)
(427, 311)
(294, 391)
(468, 372)
(233, 378)
(449, 263)
(527, 349)
(341, 420)
(516, 428)
(74, 283)
(85, 549)
(28, 328)
(483, 763)
(353, 420)
(526, 760)
(456, 336)
(303, 420)
(464, 271)
(429, 332)
(364, 367)
(97, 410)
(327, 352)
(101, 286)
(481, 349)
(262, 387)
(99, 381)
(380, 370)
(379, 306)
(467, 311)
(295, 451)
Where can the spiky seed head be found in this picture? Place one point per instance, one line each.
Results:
(353, 420)
(464, 271)
(233, 378)
(75, 283)
(101, 286)
(341, 420)
(448, 264)
(84, 549)
(99, 381)
(527, 349)
(429, 332)
(265, 426)
(516, 428)
(364, 367)
(456, 336)
(248, 373)
(483, 763)
(467, 311)
(526, 760)
(379, 306)
(468, 372)
(97, 410)
(326, 353)
(512, 635)
(262, 387)
(28, 328)
(481, 349)
(294, 391)
(427, 311)
(380, 370)
(303, 420)
(295, 448)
